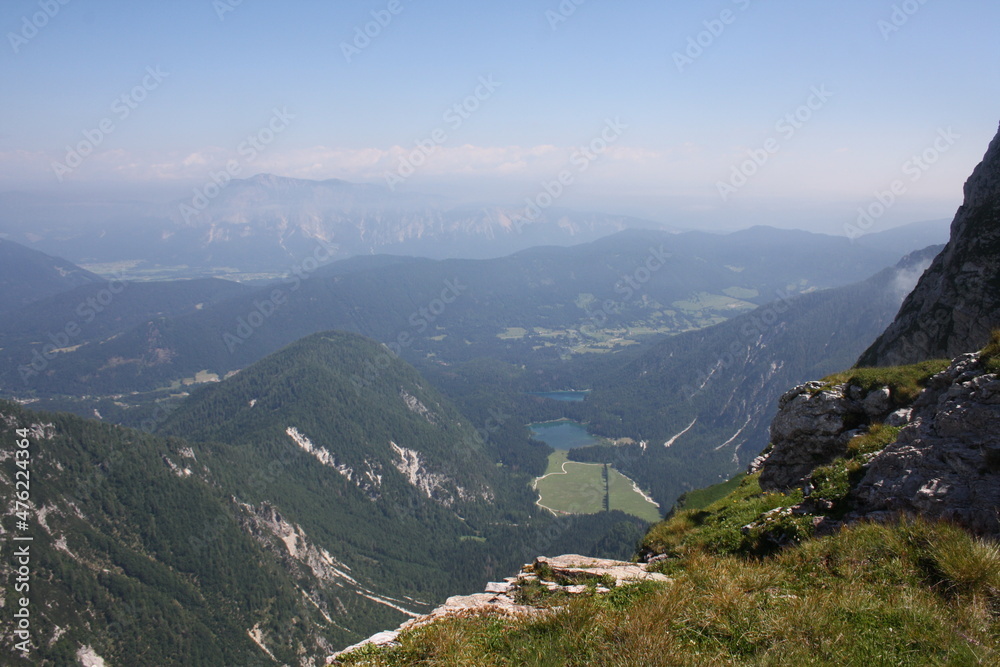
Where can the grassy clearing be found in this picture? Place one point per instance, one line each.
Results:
(579, 488)
(556, 460)
(512, 333)
(623, 496)
(741, 293)
(905, 594)
(704, 301)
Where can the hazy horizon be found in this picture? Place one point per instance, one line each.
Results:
(718, 116)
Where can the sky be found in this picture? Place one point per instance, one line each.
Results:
(716, 114)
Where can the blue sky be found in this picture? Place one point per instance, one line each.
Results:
(894, 76)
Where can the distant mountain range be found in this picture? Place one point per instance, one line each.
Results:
(270, 226)
(542, 303)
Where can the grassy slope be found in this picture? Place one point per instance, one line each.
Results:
(701, 498)
(905, 594)
(906, 382)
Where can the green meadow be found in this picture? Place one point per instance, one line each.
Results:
(569, 487)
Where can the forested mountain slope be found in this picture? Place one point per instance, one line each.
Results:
(136, 553)
(305, 507)
(27, 275)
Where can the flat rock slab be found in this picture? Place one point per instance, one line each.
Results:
(573, 566)
(470, 605)
(499, 587)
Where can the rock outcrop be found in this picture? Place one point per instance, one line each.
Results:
(943, 464)
(946, 463)
(814, 424)
(569, 574)
(956, 303)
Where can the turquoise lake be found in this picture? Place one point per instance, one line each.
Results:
(563, 434)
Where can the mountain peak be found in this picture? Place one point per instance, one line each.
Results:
(984, 184)
(956, 303)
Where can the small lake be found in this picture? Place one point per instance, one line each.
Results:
(563, 434)
(568, 396)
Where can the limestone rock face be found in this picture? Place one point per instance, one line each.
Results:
(946, 463)
(813, 426)
(956, 303)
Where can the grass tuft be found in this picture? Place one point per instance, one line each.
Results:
(991, 353)
(876, 439)
(905, 382)
(718, 528)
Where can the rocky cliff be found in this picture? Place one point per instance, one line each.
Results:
(815, 424)
(957, 301)
(922, 439)
(946, 463)
(939, 456)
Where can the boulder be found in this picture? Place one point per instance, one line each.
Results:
(814, 424)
